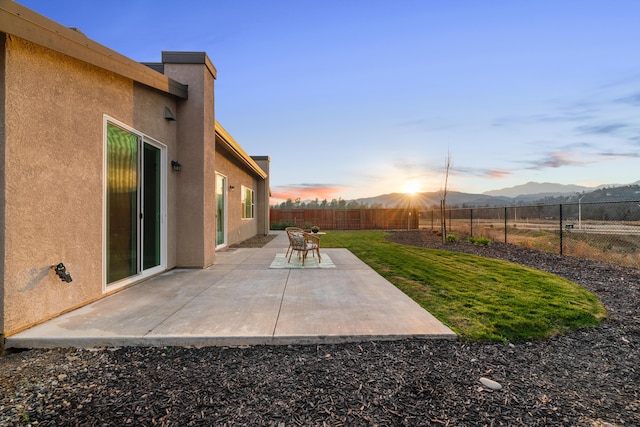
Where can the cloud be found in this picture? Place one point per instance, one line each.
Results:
(579, 112)
(493, 173)
(482, 172)
(633, 99)
(556, 159)
(306, 191)
(563, 118)
(630, 155)
(560, 159)
(411, 167)
(608, 129)
(622, 81)
(579, 145)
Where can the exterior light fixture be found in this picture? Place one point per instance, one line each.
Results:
(168, 114)
(62, 272)
(175, 166)
(231, 188)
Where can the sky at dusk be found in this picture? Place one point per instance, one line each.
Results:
(355, 98)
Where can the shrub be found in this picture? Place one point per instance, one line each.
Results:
(277, 225)
(452, 237)
(483, 241)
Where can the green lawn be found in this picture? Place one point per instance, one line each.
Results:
(478, 298)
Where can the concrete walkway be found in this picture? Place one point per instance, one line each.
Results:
(242, 301)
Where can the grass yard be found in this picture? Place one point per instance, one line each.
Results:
(478, 298)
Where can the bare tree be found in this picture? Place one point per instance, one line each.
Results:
(443, 202)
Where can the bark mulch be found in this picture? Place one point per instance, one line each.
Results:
(255, 242)
(585, 378)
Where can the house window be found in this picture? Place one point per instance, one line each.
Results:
(247, 203)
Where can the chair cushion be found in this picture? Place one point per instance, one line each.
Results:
(297, 240)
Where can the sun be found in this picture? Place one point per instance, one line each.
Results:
(411, 187)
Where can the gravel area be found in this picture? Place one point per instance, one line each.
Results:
(585, 378)
(255, 242)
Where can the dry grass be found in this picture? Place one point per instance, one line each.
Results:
(622, 249)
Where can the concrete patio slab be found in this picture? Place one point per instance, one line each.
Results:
(241, 301)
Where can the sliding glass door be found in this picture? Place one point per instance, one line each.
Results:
(221, 210)
(134, 204)
(151, 213)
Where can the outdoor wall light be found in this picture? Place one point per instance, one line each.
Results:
(62, 272)
(175, 166)
(168, 114)
(231, 188)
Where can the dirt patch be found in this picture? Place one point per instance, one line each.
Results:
(254, 242)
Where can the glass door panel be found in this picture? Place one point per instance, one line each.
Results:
(122, 203)
(221, 186)
(151, 206)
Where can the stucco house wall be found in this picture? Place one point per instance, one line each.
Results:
(196, 152)
(241, 171)
(239, 229)
(58, 89)
(53, 180)
(263, 193)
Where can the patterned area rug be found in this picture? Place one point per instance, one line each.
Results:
(280, 261)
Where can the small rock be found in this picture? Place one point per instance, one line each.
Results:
(490, 384)
(62, 377)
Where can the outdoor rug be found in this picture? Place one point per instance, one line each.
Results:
(280, 261)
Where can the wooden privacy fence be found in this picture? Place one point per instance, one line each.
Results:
(346, 219)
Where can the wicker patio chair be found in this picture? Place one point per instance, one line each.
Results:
(303, 243)
(293, 229)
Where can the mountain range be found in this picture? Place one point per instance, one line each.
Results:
(529, 193)
(539, 188)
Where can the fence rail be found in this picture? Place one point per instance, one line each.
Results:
(603, 231)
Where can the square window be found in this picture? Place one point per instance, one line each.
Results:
(247, 202)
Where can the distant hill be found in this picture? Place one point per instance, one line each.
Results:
(530, 193)
(393, 200)
(611, 194)
(540, 189)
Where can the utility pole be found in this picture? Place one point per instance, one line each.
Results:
(580, 213)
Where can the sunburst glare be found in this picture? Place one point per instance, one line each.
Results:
(411, 187)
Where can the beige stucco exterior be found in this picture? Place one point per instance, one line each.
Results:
(196, 152)
(58, 91)
(238, 176)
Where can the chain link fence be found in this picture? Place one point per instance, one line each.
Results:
(603, 231)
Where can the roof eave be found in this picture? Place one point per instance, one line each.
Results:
(26, 24)
(234, 148)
